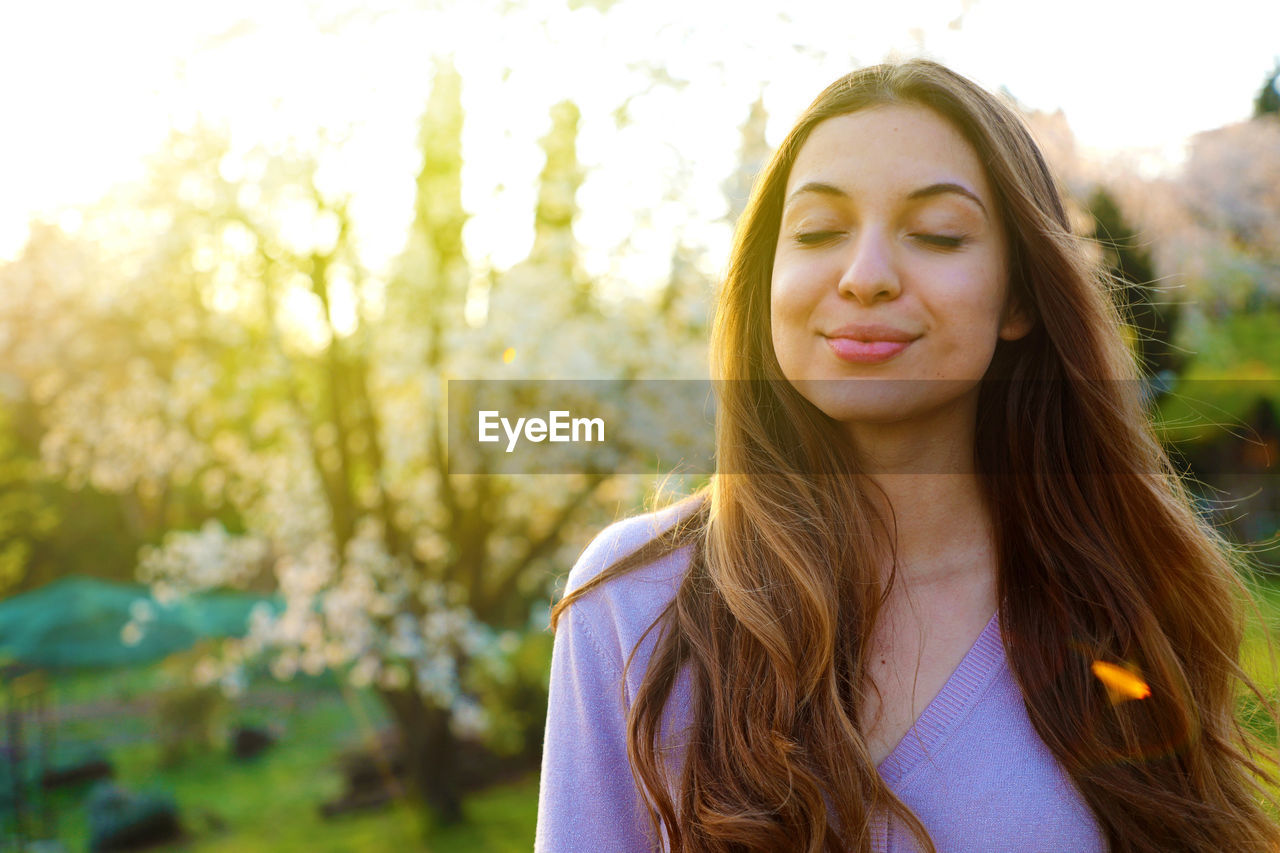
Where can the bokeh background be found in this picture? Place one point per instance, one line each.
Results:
(243, 247)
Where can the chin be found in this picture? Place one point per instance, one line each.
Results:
(871, 400)
(885, 401)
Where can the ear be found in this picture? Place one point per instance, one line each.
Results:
(1016, 320)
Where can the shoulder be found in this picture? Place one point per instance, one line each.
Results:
(627, 535)
(588, 798)
(617, 614)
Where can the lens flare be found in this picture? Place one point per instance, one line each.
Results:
(1122, 684)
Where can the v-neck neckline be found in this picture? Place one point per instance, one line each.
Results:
(932, 727)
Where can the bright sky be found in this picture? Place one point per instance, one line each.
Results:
(91, 88)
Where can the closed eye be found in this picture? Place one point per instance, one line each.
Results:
(942, 241)
(813, 238)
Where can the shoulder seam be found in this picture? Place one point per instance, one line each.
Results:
(607, 659)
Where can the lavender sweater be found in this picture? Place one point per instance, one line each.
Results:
(972, 768)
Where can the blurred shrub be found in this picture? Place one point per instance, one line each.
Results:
(515, 698)
(248, 741)
(77, 764)
(186, 720)
(122, 820)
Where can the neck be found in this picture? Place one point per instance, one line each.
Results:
(925, 485)
(942, 526)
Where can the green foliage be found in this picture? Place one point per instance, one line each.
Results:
(187, 718)
(1238, 364)
(435, 244)
(1267, 101)
(1153, 321)
(515, 700)
(27, 516)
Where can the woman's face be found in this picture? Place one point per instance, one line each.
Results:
(891, 265)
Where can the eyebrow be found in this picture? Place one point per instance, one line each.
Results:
(923, 192)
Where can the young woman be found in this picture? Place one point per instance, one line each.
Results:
(945, 591)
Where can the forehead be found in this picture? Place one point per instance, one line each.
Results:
(888, 150)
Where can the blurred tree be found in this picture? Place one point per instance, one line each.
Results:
(1268, 100)
(753, 154)
(556, 208)
(1152, 318)
(242, 365)
(1230, 190)
(63, 340)
(1220, 236)
(27, 516)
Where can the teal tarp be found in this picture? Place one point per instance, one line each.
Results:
(78, 622)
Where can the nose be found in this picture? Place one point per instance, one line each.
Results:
(870, 275)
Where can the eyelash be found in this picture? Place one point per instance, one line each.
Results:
(813, 238)
(940, 241)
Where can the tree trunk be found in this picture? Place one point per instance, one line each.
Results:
(430, 753)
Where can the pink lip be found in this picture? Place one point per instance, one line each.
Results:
(865, 352)
(871, 332)
(868, 344)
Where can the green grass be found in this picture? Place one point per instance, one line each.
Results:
(272, 803)
(500, 819)
(1260, 654)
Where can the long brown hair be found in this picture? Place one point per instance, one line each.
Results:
(1100, 558)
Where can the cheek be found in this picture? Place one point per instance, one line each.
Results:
(790, 307)
(974, 339)
(998, 301)
(977, 294)
(786, 323)
(777, 318)
(793, 291)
